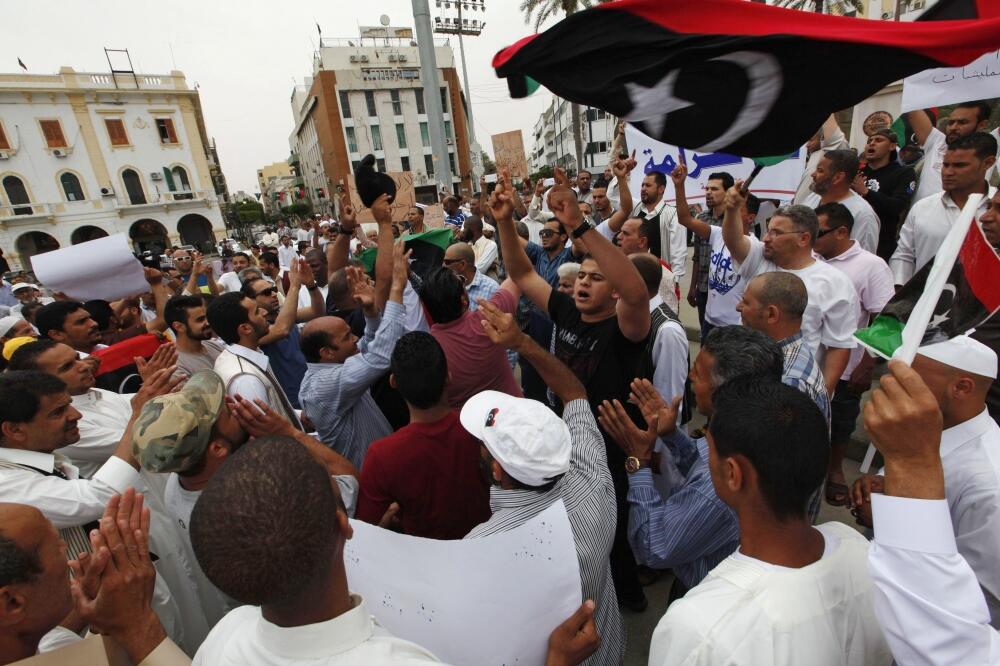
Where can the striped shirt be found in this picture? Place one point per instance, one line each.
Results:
(803, 372)
(482, 286)
(589, 496)
(690, 531)
(335, 396)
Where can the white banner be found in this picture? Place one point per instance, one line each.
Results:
(776, 182)
(980, 79)
(104, 268)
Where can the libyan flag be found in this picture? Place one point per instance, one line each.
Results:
(970, 298)
(427, 247)
(732, 76)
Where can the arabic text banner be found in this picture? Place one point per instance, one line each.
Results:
(487, 601)
(980, 79)
(776, 182)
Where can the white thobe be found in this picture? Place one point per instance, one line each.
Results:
(750, 612)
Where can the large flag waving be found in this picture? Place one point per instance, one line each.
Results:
(732, 76)
(954, 298)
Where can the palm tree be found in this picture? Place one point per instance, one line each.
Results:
(543, 10)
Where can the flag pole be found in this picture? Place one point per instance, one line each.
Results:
(944, 261)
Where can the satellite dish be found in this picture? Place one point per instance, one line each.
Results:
(384, 19)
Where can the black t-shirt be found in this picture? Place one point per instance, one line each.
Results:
(602, 358)
(889, 192)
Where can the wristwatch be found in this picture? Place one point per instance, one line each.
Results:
(633, 464)
(584, 227)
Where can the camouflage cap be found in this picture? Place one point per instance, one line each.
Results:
(173, 430)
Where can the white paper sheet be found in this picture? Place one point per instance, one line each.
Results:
(980, 79)
(479, 602)
(104, 268)
(775, 182)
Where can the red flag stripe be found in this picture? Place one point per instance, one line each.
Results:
(981, 266)
(506, 54)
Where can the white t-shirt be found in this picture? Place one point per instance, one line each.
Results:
(866, 222)
(832, 314)
(230, 281)
(725, 284)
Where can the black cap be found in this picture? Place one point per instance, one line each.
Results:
(371, 184)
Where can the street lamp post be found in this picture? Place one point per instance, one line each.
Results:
(432, 92)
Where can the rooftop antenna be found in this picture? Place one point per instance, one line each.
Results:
(115, 72)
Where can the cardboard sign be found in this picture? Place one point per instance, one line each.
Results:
(508, 148)
(404, 200)
(434, 216)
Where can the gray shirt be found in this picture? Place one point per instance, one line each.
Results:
(189, 363)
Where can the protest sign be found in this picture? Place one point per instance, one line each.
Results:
(104, 268)
(508, 148)
(980, 79)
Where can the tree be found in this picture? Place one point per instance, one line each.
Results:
(543, 11)
(489, 166)
(545, 171)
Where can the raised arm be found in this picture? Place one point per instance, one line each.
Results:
(732, 224)
(633, 301)
(338, 252)
(519, 267)
(289, 310)
(684, 217)
(621, 169)
(382, 212)
(921, 124)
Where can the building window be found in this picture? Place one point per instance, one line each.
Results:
(345, 104)
(401, 136)
(53, 133)
(177, 181)
(404, 163)
(354, 165)
(352, 139)
(397, 106)
(116, 131)
(380, 163)
(425, 137)
(444, 100)
(133, 187)
(429, 165)
(4, 143)
(71, 187)
(165, 126)
(376, 137)
(451, 162)
(419, 93)
(370, 102)
(447, 130)
(17, 195)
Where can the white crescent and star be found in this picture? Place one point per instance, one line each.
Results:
(651, 104)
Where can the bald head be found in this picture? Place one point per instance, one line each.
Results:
(327, 340)
(786, 291)
(461, 259)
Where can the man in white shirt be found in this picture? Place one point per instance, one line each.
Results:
(965, 119)
(927, 599)
(231, 281)
(484, 248)
(958, 373)
(873, 283)
(287, 252)
(963, 172)
(832, 181)
(671, 245)
(305, 232)
(27, 293)
(829, 322)
(269, 239)
(792, 593)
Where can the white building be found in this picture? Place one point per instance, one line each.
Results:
(553, 142)
(84, 155)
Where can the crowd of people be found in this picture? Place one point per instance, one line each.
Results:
(196, 452)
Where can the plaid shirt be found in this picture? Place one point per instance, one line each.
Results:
(803, 372)
(703, 249)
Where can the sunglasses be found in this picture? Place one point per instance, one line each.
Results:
(270, 291)
(824, 232)
(545, 233)
(449, 262)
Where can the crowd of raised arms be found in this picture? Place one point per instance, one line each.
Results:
(197, 453)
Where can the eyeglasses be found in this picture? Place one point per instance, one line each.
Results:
(545, 233)
(270, 291)
(779, 232)
(824, 232)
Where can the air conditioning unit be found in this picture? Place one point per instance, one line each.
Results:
(354, 58)
(449, 141)
(155, 175)
(59, 152)
(364, 58)
(392, 57)
(4, 155)
(107, 191)
(402, 58)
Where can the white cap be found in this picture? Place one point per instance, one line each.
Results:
(529, 441)
(23, 285)
(8, 323)
(963, 353)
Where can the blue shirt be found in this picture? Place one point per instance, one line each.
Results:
(288, 364)
(482, 286)
(692, 530)
(546, 266)
(456, 220)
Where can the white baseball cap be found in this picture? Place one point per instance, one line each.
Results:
(23, 285)
(963, 353)
(529, 441)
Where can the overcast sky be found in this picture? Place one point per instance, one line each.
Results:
(244, 56)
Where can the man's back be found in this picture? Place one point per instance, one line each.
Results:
(750, 612)
(432, 470)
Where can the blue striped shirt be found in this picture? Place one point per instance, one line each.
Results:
(482, 286)
(690, 531)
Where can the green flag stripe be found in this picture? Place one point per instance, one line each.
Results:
(883, 337)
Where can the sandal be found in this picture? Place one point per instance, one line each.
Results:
(834, 491)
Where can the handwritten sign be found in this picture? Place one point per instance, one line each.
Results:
(509, 150)
(434, 216)
(980, 79)
(401, 204)
(775, 182)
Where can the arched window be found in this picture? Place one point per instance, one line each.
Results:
(133, 187)
(71, 187)
(17, 194)
(180, 183)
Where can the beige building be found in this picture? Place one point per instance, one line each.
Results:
(84, 155)
(274, 179)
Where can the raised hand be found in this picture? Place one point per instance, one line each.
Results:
(903, 418)
(500, 204)
(400, 265)
(257, 418)
(540, 187)
(632, 440)
(679, 175)
(653, 407)
(736, 198)
(161, 382)
(561, 177)
(152, 275)
(164, 357)
(299, 273)
(500, 326)
(348, 218)
(361, 289)
(564, 205)
(382, 209)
